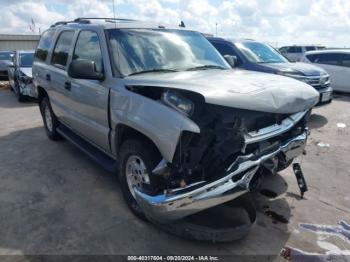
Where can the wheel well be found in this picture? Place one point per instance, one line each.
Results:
(124, 132)
(41, 94)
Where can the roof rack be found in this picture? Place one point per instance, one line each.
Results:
(103, 18)
(86, 20)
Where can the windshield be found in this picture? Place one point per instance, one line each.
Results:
(148, 50)
(26, 59)
(260, 53)
(5, 56)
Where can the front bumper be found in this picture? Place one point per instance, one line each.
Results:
(326, 95)
(182, 202)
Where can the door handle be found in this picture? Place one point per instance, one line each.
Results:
(48, 77)
(67, 85)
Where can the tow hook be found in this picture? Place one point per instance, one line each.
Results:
(300, 179)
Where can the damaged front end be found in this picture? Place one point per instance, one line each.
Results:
(25, 83)
(225, 160)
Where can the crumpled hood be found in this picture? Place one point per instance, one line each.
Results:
(302, 68)
(27, 71)
(237, 88)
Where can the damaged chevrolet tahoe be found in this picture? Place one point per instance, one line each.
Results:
(161, 107)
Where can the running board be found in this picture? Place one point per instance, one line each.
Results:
(94, 153)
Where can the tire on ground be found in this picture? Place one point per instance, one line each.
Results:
(50, 121)
(147, 152)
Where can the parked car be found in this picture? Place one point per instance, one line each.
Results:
(5, 61)
(336, 63)
(295, 53)
(163, 107)
(257, 56)
(20, 74)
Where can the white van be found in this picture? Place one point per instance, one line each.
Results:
(336, 62)
(295, 53)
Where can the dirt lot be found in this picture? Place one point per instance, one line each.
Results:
(55, 200)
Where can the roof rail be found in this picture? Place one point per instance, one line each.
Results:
(103, 18)
(70, 22)
(86, 20)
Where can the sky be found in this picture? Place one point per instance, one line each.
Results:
(278, 22)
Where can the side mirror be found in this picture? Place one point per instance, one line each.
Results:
(84, 69)
(231, 60)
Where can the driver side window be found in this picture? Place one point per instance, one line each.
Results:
(88, 47)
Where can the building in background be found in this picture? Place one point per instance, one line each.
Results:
(18, 42)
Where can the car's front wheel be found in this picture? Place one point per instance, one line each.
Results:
(137, 160)
(50, 121)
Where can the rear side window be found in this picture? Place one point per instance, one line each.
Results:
(294, 49)
(44, 45)
(346, 60)
(329, 58)
(312, 58)
(88, 47)
(62, 47)
(310, 48)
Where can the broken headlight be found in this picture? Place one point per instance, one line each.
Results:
(178, 102)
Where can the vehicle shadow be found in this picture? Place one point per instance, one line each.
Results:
(55, 200)
(8, 99)
(317, 121)
(341, 96)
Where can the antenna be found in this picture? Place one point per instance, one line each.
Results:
(113, 9)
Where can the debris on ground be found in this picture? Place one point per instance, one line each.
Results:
(323, 145)
(341, 125)
(341, 230)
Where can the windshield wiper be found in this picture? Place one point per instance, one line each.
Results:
(204, 67)
(153, 70)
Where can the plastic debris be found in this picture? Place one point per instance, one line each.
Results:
(321, 144)
(341, 125)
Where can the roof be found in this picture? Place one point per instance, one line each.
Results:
(110, 23)
(323, 51)
(302, 45)
(229, 39)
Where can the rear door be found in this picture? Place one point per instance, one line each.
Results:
(88, 99)
(56, 76)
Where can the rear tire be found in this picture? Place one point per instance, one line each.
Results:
(50, 121)
(145, 157)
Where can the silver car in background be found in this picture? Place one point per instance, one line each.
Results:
(5, 61)
(20, 74)
(336, 62)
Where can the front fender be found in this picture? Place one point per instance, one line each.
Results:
(160, 123)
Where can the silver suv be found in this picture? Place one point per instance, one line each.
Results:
(164, 110)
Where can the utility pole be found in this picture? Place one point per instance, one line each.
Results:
(216, 29)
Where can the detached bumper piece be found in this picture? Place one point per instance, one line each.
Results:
(227, 222)
(180, 203)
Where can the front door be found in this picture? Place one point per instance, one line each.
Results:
(88, 99)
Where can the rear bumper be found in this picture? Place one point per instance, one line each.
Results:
(194, 198)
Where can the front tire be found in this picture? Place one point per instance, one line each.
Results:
(137, 160)
(50, 121)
